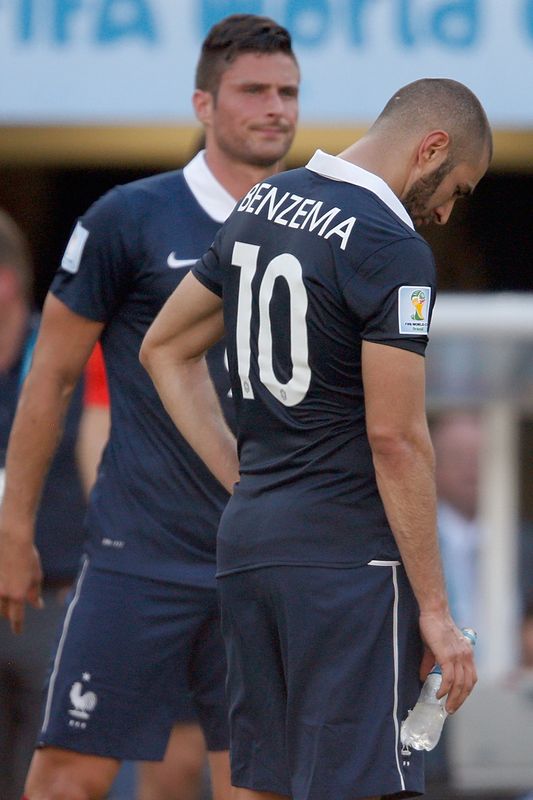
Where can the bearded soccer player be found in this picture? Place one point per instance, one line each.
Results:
(328, 561)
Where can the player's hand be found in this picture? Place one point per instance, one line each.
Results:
(446, 646)
(20, 576)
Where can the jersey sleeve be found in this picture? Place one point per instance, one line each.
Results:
(392, 294)
(96, 392)
(97, 266)
(208, 270)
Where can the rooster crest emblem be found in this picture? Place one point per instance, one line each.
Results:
(83, 703)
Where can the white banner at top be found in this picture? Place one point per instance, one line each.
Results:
(133, 61)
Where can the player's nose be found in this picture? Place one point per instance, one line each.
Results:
(443, 212)
(274, 103)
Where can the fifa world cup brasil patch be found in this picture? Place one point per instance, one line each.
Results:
(72, 257)
(413, 309)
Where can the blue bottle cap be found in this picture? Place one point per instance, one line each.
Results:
(470, 634)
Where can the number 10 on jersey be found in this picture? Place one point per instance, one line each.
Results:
(287, 267)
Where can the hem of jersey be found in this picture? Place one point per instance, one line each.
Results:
(207, 582)
(77, 308)
(321, 564)
(413, 345)
(207, 282)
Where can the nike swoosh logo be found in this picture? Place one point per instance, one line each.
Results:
(176, 263)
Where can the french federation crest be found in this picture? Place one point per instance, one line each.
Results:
(82, 702)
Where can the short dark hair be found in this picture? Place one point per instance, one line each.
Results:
(232, 36)
(14, 252)
(444, 103)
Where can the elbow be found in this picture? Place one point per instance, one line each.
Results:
(146, 353)
(58, 381)
(387, 443)
(398, 446)
(156, 355)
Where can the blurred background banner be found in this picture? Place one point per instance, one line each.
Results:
(132, 61)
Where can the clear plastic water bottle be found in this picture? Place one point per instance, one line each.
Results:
(422, 728)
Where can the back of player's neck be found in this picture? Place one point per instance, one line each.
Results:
(374, 156)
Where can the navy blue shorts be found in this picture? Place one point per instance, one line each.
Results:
(134, 657)
(323, 665)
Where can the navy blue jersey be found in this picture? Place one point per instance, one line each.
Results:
(155, 507)
(309, 264)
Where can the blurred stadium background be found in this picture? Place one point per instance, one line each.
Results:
(97, 92)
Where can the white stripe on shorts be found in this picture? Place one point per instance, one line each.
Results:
(394, 565)
(57, 659)
(395, 651)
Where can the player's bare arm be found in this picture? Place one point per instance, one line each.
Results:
(404, 464)
(173, 352)
(63, 346)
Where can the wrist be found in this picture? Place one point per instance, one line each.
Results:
(15, 527)
(435, 608)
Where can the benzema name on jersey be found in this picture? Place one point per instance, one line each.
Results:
(305, 212)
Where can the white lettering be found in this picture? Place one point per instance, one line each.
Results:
(245, 202)
(343, 229)
(308, 213)
(257, 196)
(325, 219)
(300, 212)
(270, 198)
(280, 219)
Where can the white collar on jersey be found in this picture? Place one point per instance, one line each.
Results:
(209, 193)
(340, 170)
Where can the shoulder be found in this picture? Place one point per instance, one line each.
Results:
(127, 203)
(382, 233)
(401, 259)
(412, 246)
(383, 244)
(163, 186)
(410, 243)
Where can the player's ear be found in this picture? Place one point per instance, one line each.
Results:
(433, 149)
(203, 103)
